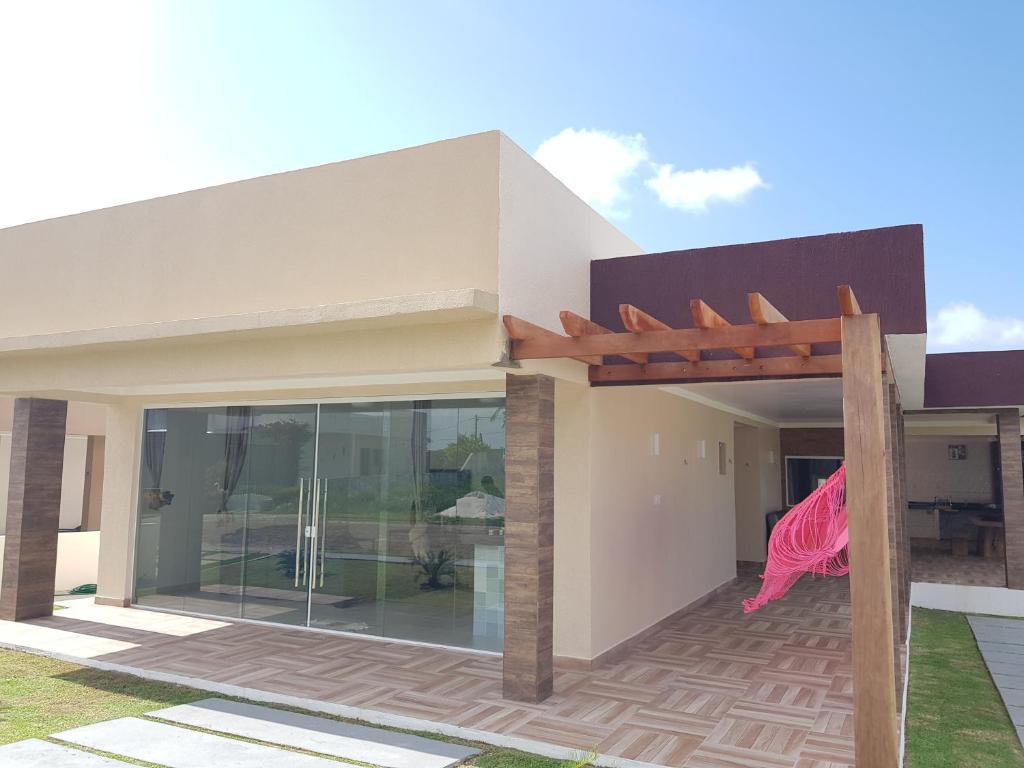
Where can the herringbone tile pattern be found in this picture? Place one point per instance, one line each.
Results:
(715, 688)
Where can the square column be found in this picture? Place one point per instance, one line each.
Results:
(1011, 478)
(33, 508)
(120, 504)
(529, 537)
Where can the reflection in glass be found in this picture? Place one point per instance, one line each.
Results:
(379, 518)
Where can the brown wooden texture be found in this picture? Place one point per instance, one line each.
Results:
(889, 395)
(705, 317)
(528, 670)
(875, 719)
(765, 367)
(549, 345)
(521, 330)
(763, 312)
(576, 325)
(33, 508)
(848, 304)
(637, 321)
(1012, 482)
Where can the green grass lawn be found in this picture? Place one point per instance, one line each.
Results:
(40, 696)
(955, 718)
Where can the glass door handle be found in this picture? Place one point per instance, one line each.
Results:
(313, 538)
(322, 535)
(298, 533)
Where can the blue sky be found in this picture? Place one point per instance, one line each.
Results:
(823, 116)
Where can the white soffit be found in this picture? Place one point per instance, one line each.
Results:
(907, 354)
(780, 402)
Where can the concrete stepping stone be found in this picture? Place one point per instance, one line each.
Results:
(35, 753)
(317, 734)
(174, 747)
(1001, 643)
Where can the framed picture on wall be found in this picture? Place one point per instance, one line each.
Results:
(958, 452)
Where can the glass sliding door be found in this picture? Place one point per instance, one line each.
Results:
(412, 538)
(190, 534)
(384, 518)
(277, 496)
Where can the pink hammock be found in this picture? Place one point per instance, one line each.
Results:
(810, 538)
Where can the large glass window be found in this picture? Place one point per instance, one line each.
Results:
(379, 518)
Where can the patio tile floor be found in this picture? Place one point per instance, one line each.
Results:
(713, 688)
(943, 568)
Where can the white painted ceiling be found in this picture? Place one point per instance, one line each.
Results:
(781, 401)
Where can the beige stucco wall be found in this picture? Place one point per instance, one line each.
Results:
(650, 559)
(83, 418)
(624, 560)
(573, 610)
(77, 558)
(406, 222)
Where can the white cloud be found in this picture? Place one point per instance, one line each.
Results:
(692, 190)
(962, 326)
(594, 164)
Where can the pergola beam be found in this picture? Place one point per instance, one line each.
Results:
(848, 304)
(787, 366)
(763, 312)
(577, 326)
(705, 317)
(534, 343)
(521, 330)
(638, 321)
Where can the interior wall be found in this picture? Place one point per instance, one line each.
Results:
(663, 522)
(749, 520)
(932, 474)
(758, 488)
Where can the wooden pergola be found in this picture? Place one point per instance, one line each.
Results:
(861, 366)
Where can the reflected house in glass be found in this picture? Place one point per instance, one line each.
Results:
(328, 515)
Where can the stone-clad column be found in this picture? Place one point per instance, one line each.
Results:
(529, 537)
(1011, 477)
(33, 508)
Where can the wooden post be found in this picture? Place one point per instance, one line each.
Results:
(1012, 481)
(876, 743)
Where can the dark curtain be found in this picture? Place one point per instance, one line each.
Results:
(153, 446)
(236, 448)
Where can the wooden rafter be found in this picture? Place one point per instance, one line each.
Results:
(763, 312)
(848, 304)
(705, 317)
(638, 321)
(521, 330)
(577, 326)
(788, 366)
(545, 344)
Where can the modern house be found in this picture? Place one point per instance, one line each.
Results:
(431, 402)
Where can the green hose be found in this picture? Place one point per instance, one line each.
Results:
(84, 589)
